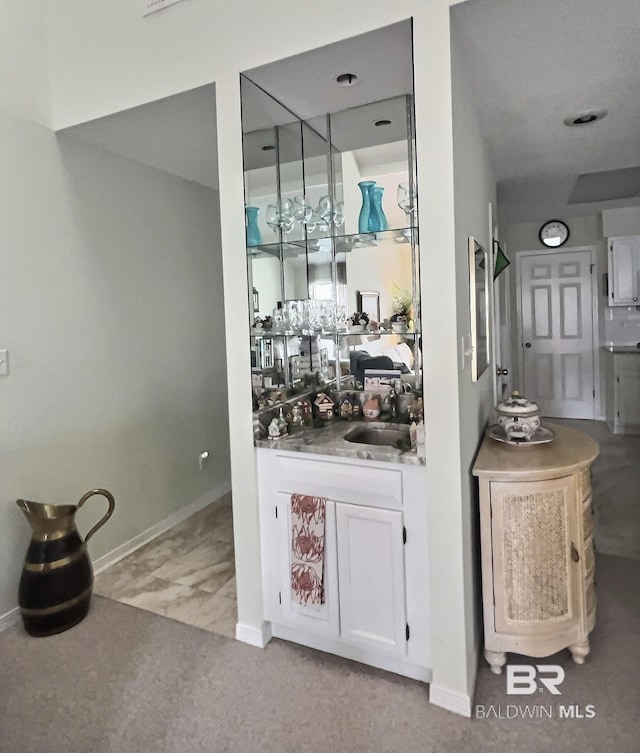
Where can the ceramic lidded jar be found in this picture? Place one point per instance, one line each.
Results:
(518, 417)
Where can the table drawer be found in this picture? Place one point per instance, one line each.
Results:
(359, 484)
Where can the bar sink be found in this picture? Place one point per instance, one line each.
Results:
(387, 435)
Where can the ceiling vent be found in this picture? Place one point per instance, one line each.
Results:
(609, 185)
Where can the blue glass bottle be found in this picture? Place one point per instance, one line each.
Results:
(377, 219)
(365, 210)
(254, 238)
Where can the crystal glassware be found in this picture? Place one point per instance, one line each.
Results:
(302, 209)
(272, 217)
(407, 200)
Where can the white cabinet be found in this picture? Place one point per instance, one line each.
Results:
(622, 399)
(371, 577)
(376, 598)
(624, 271)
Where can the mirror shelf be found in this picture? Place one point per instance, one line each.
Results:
(269, 334)
(343, 243)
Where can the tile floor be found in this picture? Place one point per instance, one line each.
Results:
(615, 481)
(187, 573)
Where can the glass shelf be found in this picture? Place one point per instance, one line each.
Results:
(271, 333)
(343, 243)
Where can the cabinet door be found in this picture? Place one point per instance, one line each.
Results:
(371, 577)
(320, 618)
(536, 546)
(624, 266)
(628, 393)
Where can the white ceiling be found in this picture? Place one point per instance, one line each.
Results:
(531, 64)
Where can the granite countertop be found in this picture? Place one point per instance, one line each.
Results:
(622, 348)
(330, 441)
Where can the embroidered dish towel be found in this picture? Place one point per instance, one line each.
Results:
(307, 549)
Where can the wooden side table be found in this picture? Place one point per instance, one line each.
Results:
(536, 529)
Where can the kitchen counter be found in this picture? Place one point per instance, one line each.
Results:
(330, 441)
(621, 349)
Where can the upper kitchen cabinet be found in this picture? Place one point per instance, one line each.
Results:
(624, 271)
(331, 211)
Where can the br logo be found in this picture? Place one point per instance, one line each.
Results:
(526, 679)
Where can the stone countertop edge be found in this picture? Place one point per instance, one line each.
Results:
(330, 441)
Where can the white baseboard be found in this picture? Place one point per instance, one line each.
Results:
(120, 552)
(254, 636)
(9, 619)
(451, 700)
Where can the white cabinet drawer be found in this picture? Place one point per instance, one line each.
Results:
(343, 482)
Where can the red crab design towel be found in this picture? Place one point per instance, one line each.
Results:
(307, 549)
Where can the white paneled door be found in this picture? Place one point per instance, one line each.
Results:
(557, 332)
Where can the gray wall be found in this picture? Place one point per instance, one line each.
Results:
(112, 310)
(475, 189)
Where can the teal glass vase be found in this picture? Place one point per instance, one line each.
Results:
(254, 238)
(377, 220)
(365, 211)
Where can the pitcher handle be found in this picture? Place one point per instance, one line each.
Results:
(109, 513)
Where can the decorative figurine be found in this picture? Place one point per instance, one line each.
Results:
(372, 408)
(297, 422)
(278, 427)
(325, 406)
(307, 413)
(346, 408)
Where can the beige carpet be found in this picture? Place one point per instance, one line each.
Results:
(128, 681)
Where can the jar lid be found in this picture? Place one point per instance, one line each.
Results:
(518, 405)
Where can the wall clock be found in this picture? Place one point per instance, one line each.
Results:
(554, 233)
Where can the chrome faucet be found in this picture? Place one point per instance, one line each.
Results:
(392, 399)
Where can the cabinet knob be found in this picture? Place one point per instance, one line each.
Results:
(635, 299)
(574, 553)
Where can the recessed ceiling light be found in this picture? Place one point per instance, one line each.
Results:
(267, 148)
(347, 79)
(383, 122)
(585, 118)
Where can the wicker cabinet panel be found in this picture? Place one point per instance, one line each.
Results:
(533, 532)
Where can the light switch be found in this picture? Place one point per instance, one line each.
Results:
(4, 362)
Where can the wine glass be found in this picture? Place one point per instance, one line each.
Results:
(338, 214)
(286, 215)
(302, 209)
(407, 199)
(273, 217)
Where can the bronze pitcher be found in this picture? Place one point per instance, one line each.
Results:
(57, 578)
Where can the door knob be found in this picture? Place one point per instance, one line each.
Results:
(527, 345)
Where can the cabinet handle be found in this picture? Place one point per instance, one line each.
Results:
(574, 553)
